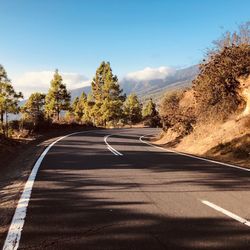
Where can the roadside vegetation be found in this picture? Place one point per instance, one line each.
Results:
(206, 118)
(105, 106)
(214, 111)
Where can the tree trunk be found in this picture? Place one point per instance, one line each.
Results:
(6, 124)
(2, 117)
(58, 116)
(1, 122)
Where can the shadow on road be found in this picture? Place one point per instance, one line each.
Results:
(87, 200)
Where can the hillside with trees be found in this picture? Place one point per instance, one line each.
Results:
(212, 117)
(105, 106)
(153, 88)
(9, 99)
(207, 117)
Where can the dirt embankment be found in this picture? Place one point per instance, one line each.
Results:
(17, 159)
(228, 141)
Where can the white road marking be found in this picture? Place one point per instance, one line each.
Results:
(111, 150)
(14, 234)
(192, 156)
(226, 212)
(114, 151)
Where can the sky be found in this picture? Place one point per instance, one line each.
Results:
(140, 38)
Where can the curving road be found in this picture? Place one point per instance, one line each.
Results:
(107, 189)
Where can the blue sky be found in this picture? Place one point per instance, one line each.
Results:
(75, 36)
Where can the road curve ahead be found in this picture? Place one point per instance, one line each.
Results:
(108, 190)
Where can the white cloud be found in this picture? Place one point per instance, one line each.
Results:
(150, 74)
(39, 81)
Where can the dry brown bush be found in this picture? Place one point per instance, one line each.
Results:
(217, 86)
(176, 113)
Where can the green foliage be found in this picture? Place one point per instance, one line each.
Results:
(149, 109)
(78, 107)
(58, 98)
(9, 98)
(33, 110)
(106, 96)
(69, 117)
(88, 117)
(150, 114)
(132, 109)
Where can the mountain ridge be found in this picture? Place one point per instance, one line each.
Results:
(153, 88)
(144, 89)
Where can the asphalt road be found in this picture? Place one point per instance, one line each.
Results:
(130, 195)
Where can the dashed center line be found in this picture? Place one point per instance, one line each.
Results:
(226, 212)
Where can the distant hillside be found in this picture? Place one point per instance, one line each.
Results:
(78, 92)
(155, 88)
(144, 89)
(152, 88)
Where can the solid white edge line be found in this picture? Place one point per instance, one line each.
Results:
(109, 146)
(14, 234)
(226, 212)
(192, 156)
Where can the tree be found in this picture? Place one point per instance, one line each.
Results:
(33, 109)
(88, 116)
(150, 114)
(132, 109)
(149, 109)
(97, 93)
(177, 115)
(58, 98)
(107, 96)
(9, 98)
(74, 105)
(169, 108)
(78, 107)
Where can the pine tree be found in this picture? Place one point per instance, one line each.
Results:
(107, 96)
(88, 116)
(33, 109)
(58, 98)
(97, 93)
(9, 98)
(78, 107)
(150, 114)
(72, 113)
(149, 109)
(132, 109)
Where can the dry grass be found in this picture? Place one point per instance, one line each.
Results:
(228, 141)
(236, 150)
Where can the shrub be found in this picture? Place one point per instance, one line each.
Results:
(217, 85)
(175, 116)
